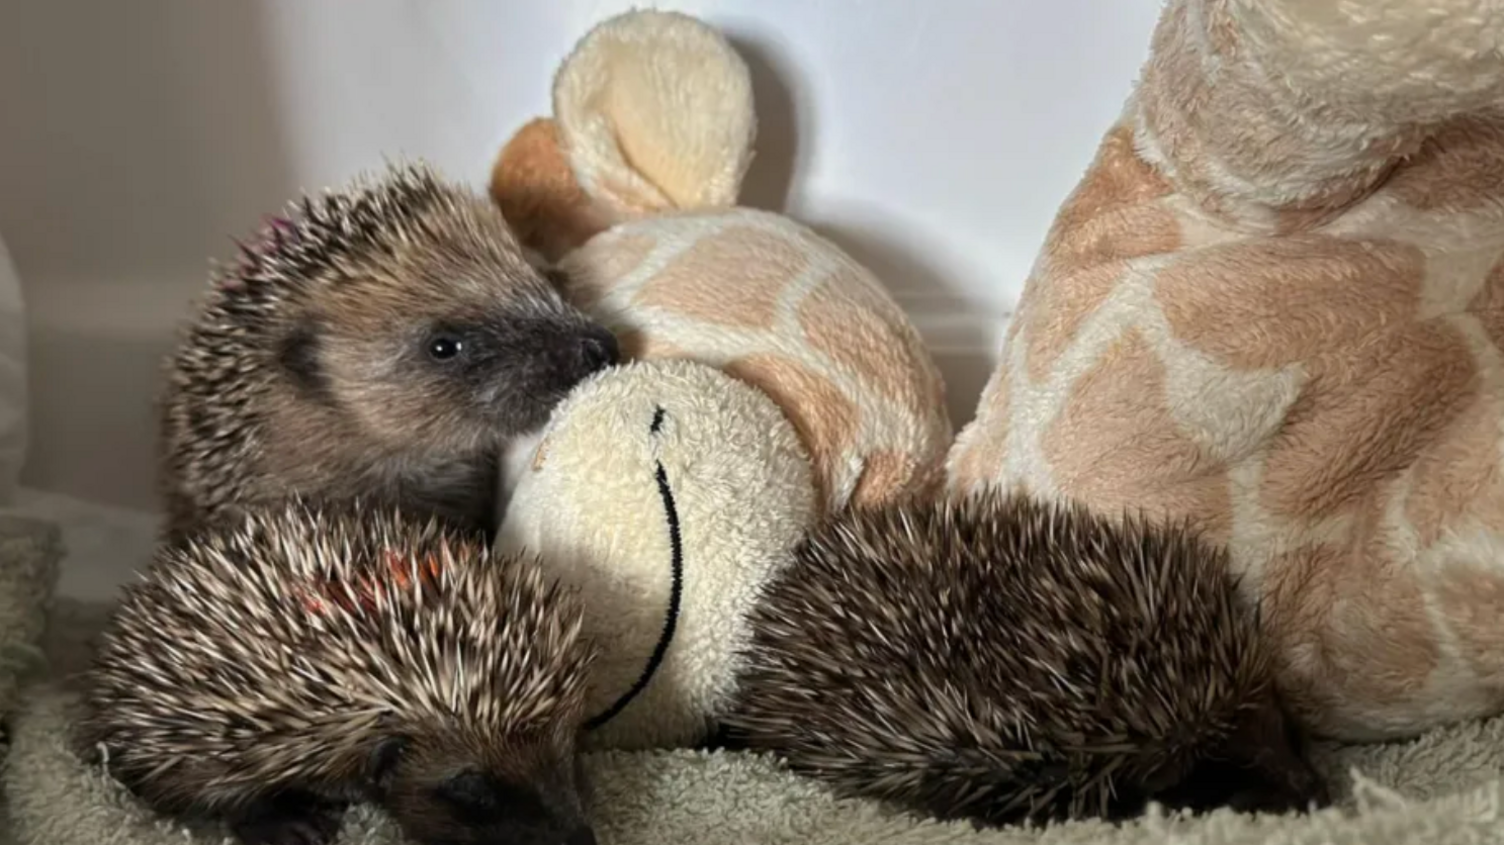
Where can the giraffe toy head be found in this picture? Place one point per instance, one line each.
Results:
(629, 192)
(668, 494)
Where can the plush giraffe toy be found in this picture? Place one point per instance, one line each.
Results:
(1274, 305)
(629, 191)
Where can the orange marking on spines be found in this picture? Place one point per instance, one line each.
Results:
(365, 594)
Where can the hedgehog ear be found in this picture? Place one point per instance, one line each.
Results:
(298, 355)
(383, 762)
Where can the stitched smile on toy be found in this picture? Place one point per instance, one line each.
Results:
(676, 592)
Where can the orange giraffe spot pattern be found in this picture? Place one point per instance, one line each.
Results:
(823, 417)
(1367, 413)
(717, 280)
(1152, 465)
(1271, 302)
(1110, 218)
(857, 336)
(1352, 624)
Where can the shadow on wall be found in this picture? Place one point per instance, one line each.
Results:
(781, 117)
(964, 347)
(138, 138)
(867, 234)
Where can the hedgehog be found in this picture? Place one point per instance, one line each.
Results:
(388, 339)
(269, 671)
(1006, 659)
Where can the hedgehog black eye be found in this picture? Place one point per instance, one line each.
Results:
(444, 347)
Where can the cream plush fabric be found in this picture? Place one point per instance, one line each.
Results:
(630, 190)
(644, 465)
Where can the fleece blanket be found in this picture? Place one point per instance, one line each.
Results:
(30, 553)
(1443, 788)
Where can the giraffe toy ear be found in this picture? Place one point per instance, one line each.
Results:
(653, 113)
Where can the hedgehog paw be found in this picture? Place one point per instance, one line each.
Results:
(289, 820)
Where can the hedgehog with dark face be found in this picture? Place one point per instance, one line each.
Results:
(387, 340)
(270, 671)
(1004, 659)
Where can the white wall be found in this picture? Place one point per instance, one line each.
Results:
(932, 138)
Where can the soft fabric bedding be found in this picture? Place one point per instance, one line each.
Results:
(1442, 788)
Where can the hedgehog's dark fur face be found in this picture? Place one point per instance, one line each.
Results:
(456, 346)
(436, 329)
(1261, 765)
(529, 792)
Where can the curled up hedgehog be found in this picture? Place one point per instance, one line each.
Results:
(271, 671)
(1003, 659)
(387, 339)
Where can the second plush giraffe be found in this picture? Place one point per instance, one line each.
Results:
(630, 190)
(1274, 306)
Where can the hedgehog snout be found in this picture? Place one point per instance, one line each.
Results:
(493, 819)
(598, 350)
(1278, 751)
(569, 349)
(579, 348)
(1289, 782)
(1264, 766)
(529, 365)
(482, 804)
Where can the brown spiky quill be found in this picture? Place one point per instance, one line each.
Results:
(283, 647)
(221, 372)
(1000, 658)
(310, 363)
